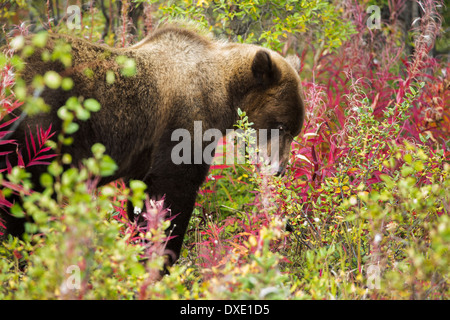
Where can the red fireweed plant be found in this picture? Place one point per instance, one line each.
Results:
(36, 150)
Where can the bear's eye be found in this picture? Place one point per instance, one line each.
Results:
(281, 127)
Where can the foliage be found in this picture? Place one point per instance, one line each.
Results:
(362, 212)
(269, 23)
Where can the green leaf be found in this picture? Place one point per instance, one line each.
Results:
(418, 166)
(69, 177)
(137, 269)
(128, 65)
(67, 84)
(92, 105)
(82, 114)
(67, 158)
(110, 77)
(407, 170)
(137, 185)
(72, 103)
(424, 139)
(17, 211)
(17, 43)
(64, 114)
(40, 217)
(107, 166)
(98, 150)
(40, 39)
(72, 127)
(55, 169)
(408, 158)
(388, 181)
(52, 79)
(46, 180)
(129, 68)
(88, 72)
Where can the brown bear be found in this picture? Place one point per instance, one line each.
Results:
(181, 77)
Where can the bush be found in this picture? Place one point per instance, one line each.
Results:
(362, 213)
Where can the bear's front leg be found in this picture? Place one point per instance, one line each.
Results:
(179, 192)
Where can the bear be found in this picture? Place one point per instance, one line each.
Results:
(182, 77)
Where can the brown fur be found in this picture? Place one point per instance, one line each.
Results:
(181, 77)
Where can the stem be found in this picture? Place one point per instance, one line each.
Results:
(48, 14)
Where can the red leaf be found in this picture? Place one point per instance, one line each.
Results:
(14, 187)
(36, 163)
(220, 166)
(6, 203)
(3, 226)
(32, 140)
(46, 156)
(28, 148)
(8, 165)
(7, 123)
(4, 133)
(45, 149)
(20, 161)
(2, 142)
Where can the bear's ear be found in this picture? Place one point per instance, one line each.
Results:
(263, 68)
(294, 61)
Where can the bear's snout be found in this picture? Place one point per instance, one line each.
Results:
(280, 171)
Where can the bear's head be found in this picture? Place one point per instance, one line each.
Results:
(275, 102)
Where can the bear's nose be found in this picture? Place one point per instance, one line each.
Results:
(280, 172)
